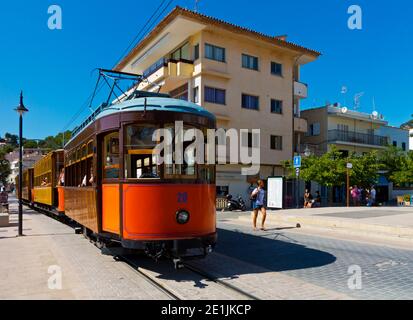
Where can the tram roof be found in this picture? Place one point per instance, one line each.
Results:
(156, 104)
(138, 104)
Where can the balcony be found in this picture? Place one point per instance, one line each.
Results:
(167, 69)
(300, 125)
(339, 136)
(300, 90)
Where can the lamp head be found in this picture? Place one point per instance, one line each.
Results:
(21, 109)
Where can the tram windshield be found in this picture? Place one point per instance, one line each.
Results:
(140, 162)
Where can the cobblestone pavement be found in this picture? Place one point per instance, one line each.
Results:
(86, 272)
(387, 273)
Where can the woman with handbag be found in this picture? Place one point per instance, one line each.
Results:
(257, 197)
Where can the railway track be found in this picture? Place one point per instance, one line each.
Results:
(175, 296)
(220, 282)
(142, 273)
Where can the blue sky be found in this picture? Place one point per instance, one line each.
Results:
(54, 68)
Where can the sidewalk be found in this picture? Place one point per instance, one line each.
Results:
(86, 272)
(392, 223)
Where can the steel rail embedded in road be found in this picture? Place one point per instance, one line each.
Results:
(148, 277)
(220, 282)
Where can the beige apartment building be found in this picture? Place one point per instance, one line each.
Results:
(350, 131)
(247, 79)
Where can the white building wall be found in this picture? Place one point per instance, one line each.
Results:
(411, 140)
(397, 135)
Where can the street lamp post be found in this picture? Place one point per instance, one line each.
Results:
(21, 109)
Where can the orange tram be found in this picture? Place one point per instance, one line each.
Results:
(109, 181)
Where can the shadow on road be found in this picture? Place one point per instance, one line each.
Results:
(268, 251)
(271, 250)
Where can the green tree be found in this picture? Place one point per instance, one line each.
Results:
(331, 169)
(4, 168)
(30, 144)
(365, 172)
(55, 142)
(391, 160)
(403, 175)
(328, 170)
(12, 139)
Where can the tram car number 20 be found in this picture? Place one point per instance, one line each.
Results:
(182, 197)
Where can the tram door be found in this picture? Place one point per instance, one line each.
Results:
(109, 173)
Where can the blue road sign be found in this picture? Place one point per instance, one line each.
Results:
(297, 162)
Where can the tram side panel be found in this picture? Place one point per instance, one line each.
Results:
(46, 172)
(80, 206)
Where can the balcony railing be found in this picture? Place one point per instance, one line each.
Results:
(357, 137)
(163, 63)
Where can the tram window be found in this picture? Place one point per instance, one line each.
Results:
(111, 156)
(188, 168)
(90, 148)
(140, 161)
(206, 174)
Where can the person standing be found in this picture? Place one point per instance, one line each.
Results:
(373, 195)
(257, 197)
(308, 198)
(355, 194)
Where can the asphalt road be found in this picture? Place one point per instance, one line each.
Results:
(360, 270)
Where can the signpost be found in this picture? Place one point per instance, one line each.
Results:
(349, 167)
(297, 166)
(297, 162)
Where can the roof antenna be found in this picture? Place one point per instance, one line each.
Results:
(196, 5)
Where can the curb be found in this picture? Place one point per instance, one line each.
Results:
(393, 232)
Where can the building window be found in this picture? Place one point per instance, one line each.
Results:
(196, 95)
(180, 93)
(276, 106)
(249, 62)
(214, 95)
(314, 129)
(250, 140)
(196, 52)
(276, 69)
(404, 146)
(182, 53)
(110, 159)
(276, 143)
(214, 53)
(250, 102)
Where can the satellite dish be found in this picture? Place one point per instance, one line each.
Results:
(375, 114)
(344, 110)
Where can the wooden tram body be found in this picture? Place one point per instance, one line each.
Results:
(128, 197)
(27, 188)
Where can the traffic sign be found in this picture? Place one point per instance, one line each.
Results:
(297, 162)
(297, 172)
(349, 166)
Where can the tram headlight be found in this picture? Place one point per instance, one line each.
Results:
(182, 216)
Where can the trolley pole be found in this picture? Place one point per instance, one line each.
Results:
(21, 109)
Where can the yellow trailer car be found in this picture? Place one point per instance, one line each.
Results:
(46, 176)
